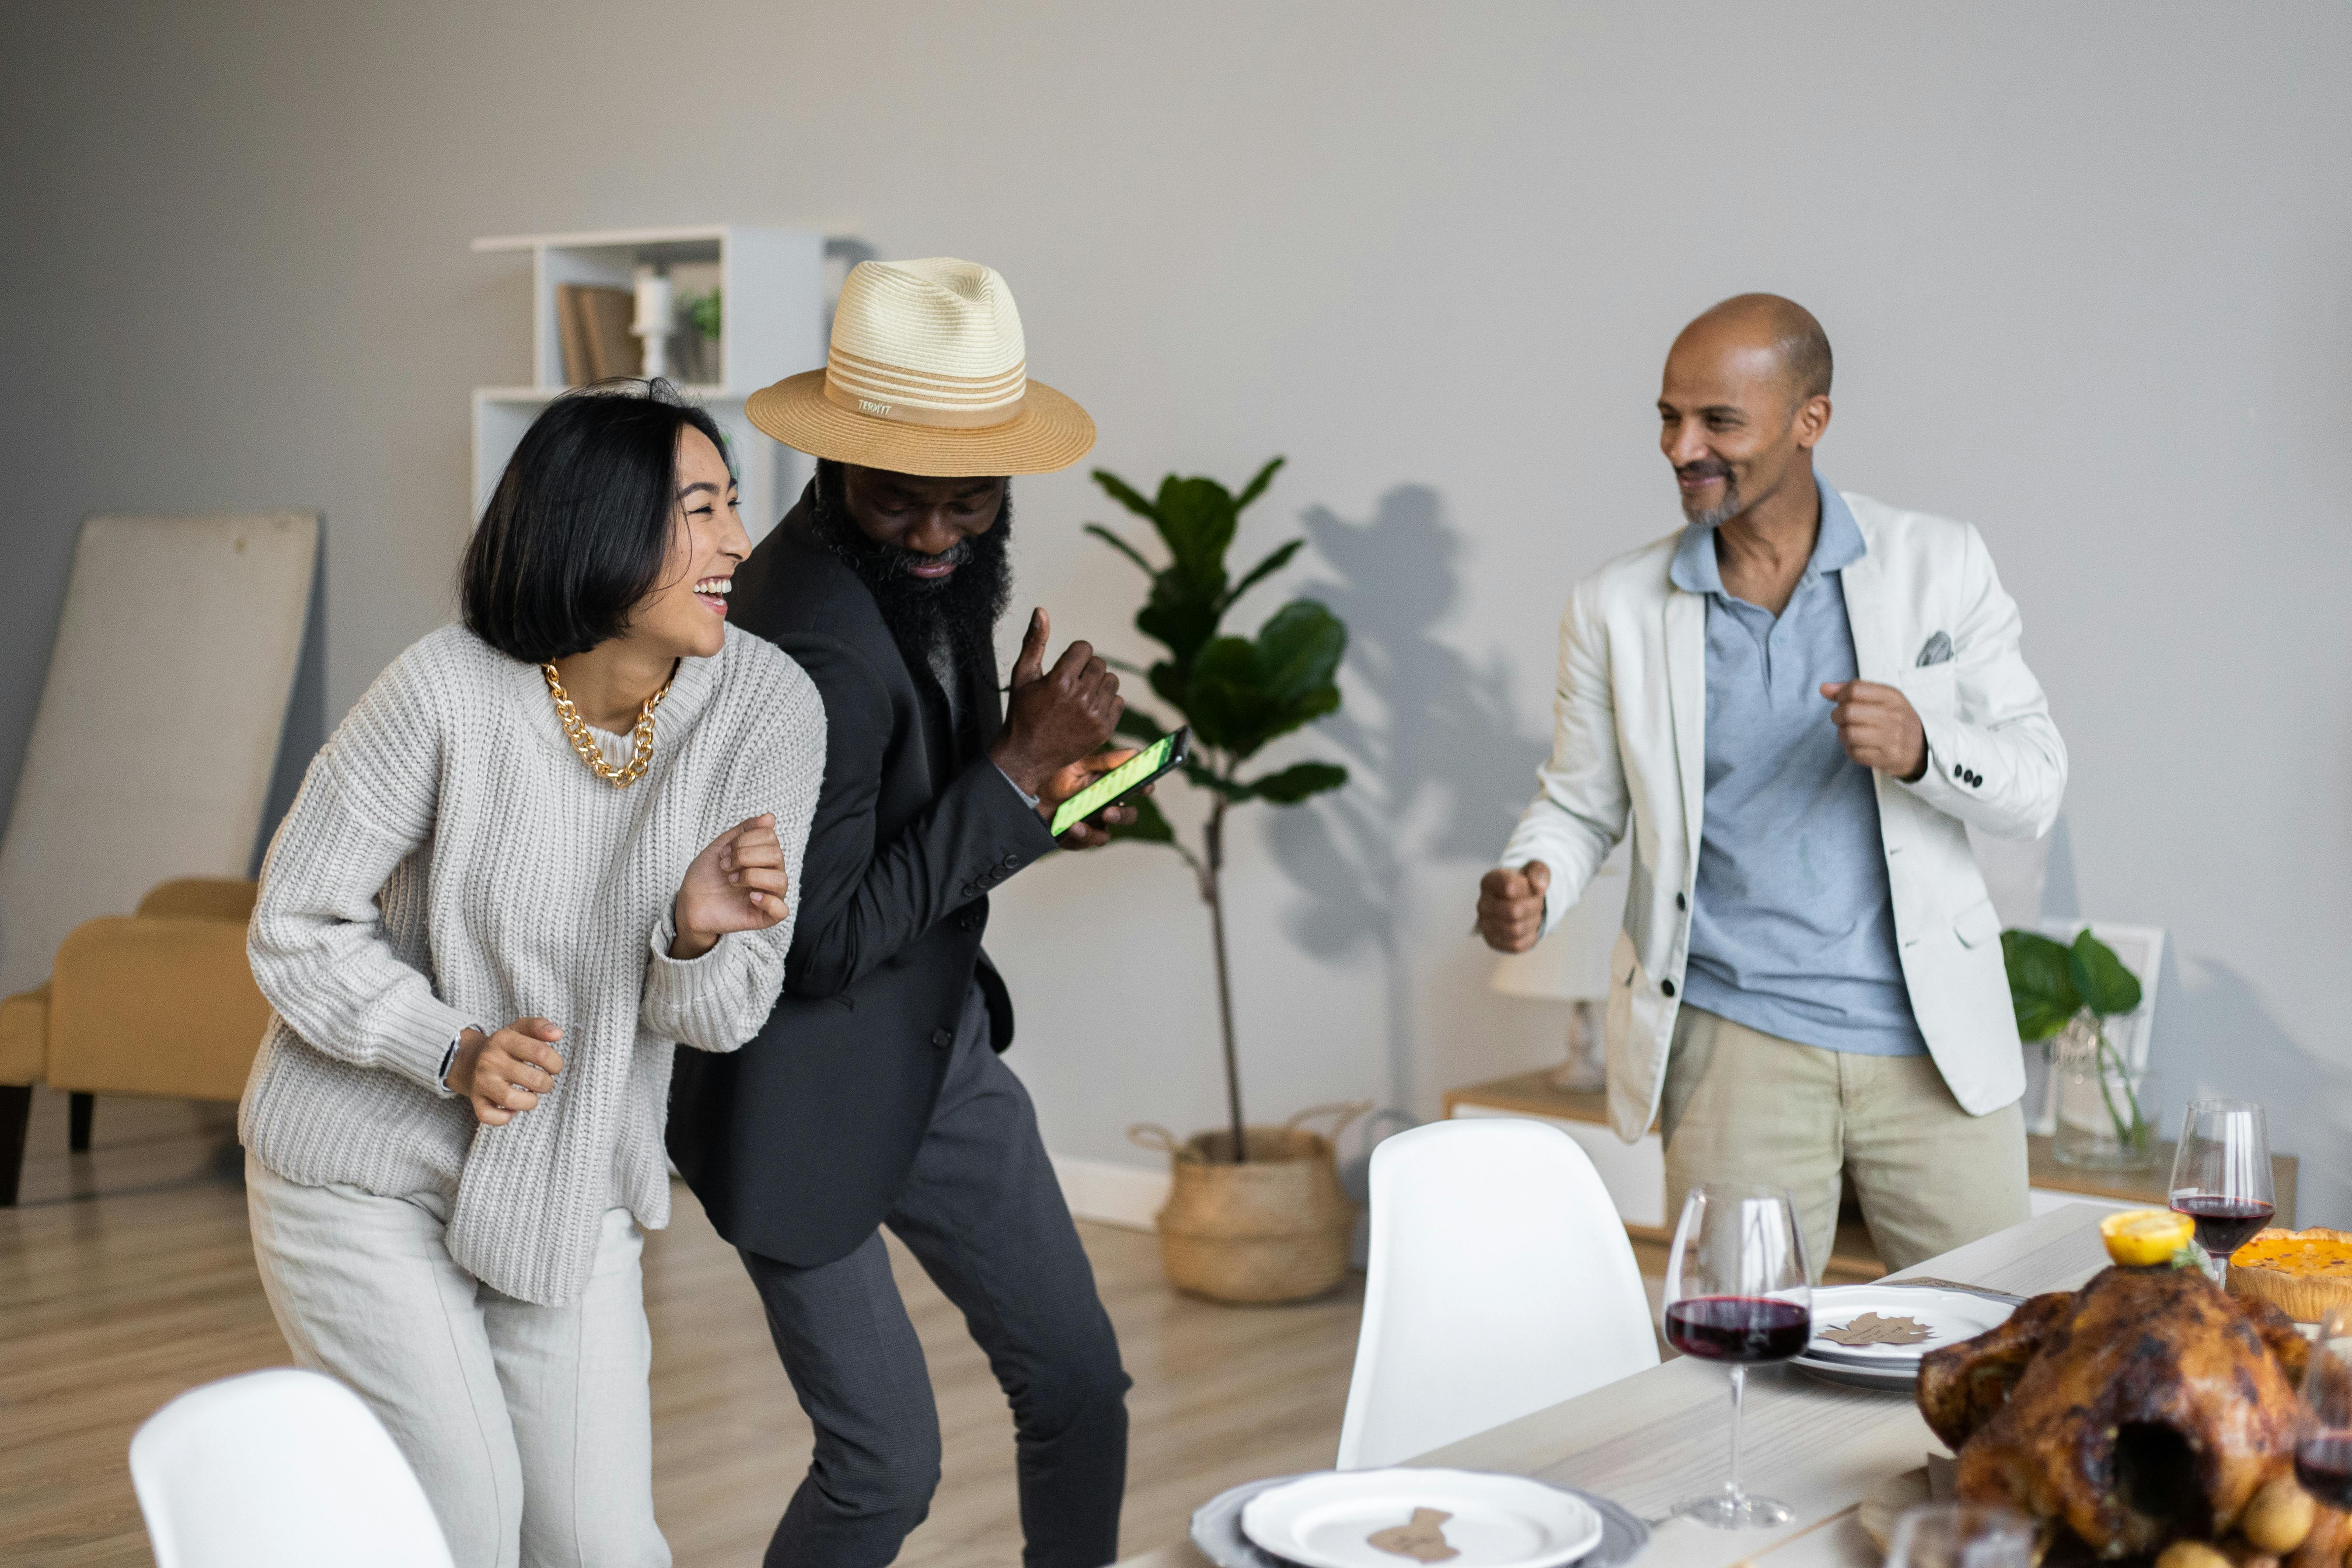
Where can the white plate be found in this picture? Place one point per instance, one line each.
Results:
(1852, 1355)
(1217, 1529)
(1948, 1316)
(1884, 1380)
(1495, 1521)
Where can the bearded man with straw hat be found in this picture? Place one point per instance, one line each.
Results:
(874, 1097)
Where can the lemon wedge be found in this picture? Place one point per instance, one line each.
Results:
(2145, 1238)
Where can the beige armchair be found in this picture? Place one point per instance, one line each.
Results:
(158, 1003)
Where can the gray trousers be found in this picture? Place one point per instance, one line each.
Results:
(983, 1214)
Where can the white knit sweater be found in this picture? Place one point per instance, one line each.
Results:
(451, 862)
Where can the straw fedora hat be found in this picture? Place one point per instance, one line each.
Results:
(927, 374)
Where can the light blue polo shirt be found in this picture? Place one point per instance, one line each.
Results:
(1793, 930)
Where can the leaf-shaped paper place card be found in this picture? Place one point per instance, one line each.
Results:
(1870, 1328)
(1421, 1539)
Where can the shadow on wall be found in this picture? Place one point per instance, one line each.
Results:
(305, 731)
(2213, 1037)
(1438, 769)
(2061, 898)
(2235, 1047)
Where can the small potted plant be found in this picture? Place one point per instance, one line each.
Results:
(1255, 1213)
(699, 347)
(2064, 996)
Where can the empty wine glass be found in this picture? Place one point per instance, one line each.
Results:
(1738, 1292)
(1961, 1535)
(2222, 1176)
(2323, 1444)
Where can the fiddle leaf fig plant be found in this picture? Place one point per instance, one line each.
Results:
(1238, 693)
(2052, 985)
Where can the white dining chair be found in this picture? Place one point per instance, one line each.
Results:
(1500, 1281)
(280, 1470)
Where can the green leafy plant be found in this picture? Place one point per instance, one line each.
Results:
(702, 313)
(1238, 693)
(2051, 984)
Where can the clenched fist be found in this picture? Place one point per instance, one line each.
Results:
(1511, 906)
(1878, 728)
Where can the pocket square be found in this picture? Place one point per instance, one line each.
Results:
(1938, 651)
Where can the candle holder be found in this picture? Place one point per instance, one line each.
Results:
(657, 315)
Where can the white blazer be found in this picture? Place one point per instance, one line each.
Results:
(1630, 740)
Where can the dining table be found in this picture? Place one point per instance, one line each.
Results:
(1649, 1440)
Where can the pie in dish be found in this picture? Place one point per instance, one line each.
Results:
(2306, 1272)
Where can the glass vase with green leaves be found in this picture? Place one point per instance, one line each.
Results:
(2063, 996)
(1238, 693)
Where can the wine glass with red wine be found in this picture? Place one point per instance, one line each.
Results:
(2323, 1444)
(1738, 1292)
(2222, 1176)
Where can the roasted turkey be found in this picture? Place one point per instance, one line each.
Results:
(2147, 1408)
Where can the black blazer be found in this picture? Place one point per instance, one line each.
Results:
(798, 1143)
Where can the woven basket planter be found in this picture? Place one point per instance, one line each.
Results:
(1275, 1228)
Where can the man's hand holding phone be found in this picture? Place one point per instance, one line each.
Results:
(1076, 779)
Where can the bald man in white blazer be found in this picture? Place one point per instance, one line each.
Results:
(1796, 706)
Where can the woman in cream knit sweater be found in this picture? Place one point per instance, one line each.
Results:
(547, 846)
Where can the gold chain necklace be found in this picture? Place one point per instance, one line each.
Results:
(575, 729)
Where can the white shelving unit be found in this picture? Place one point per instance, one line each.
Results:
(772, 325)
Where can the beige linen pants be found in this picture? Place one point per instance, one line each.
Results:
(529, 1427)
(1744, 1105)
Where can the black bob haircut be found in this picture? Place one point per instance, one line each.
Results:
(579, 528)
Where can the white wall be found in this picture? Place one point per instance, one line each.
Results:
(2085, 268)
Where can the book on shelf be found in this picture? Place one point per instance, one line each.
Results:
(571, 331)
(593, 328)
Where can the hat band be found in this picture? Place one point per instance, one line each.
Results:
(911, 397)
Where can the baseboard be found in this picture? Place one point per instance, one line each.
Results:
(1111, 1194)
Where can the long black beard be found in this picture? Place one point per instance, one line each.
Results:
(963, 611)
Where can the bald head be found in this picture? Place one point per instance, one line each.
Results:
(1780, 327)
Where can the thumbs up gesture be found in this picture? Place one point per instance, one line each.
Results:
(1511, 906)
(1054, 717)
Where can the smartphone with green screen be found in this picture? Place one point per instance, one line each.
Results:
(1168, 752)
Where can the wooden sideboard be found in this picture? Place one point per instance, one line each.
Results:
(1635, 1173)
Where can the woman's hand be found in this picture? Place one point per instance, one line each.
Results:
(504, 1074)
(737, 883)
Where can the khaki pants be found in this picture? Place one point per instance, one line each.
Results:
(1743, 1106)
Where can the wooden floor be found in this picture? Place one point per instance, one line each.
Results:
(125, 1276)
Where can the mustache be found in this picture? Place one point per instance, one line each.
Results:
(902, 559)
(1704, 468)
